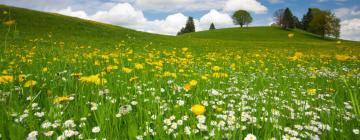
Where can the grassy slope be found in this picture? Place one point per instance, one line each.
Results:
(33, 24)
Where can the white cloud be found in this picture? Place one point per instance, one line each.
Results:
(124, 14)
(68, 11)
(221, 20)
(248, 5)
(177, 5)
(350, 29)
(347, 12)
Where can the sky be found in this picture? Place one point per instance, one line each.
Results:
(169, 16)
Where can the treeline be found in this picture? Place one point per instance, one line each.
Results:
(320, 22)
(317, 21)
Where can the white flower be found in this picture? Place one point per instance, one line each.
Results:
(49, 133)
(201, 127)
(201, 118)
(187, 130)
(180, 102)
(174, 125)
(68, 133)
(46, 124)
(139, 137)
(39, 114)
(250, 137)
(61, 137)
(356, 131)
(96, 129)
(69, 123)
(32, 135)
(134, 103)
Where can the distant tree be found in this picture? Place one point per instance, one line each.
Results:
(242, 17)
(189, 27)
(288, 19)
(308, 17)
(212, 26)
(324, 23)
(278, 17)
(297, 22)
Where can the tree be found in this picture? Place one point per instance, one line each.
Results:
(288, 19)
(308, 17)
(324, 23)
(212, 26)
(189, 27)
(278, 17)
(297, 22)
(242, 17)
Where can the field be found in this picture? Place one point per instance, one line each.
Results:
(67, 78)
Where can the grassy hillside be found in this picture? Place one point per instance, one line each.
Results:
(67, 78)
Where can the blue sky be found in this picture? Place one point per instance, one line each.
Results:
(168, 16)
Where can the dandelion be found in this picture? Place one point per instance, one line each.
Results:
(187, 87)
(9, 22)
(126, 70)
(95, 129)
(216, 68)
(6, 79)
(198, 109)
(30, 83)
(139, 66)
(342, 57)
(291, 35)
(193, 83)
(61, 99)
(311, 91)
(297, 56)
(44, 70)
(250, 137)
(93, 79)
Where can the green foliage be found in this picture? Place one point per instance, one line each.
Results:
(242, 17)
(189, 27)
(212, 26)
(324, 23)
(288, 19)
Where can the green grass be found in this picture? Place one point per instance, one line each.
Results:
(251, 81)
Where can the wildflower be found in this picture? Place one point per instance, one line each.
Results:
(291, 35)
(216, 68)
(9, 22)
(184, 49)
(193, 83)
(139, 66)
(356, 131)
(198, 109)
(297, 56)
(338, 42)
(96, 129)
(250, 137)
(342, 57)
(126, 70)
(6, 79)
(187, 87)
(22, 77)
(311, 91)
(61, 99)
(30, 83)
(49, 133)
(93, 79)
(32, 135)
(44, 70)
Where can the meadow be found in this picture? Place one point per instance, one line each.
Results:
(67, 78)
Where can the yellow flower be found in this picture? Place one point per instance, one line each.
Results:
(126, 70)
(93, 79)
(133, 78)
(61, 99)
(22, 77)
(311, 91)
(184, 49)
(6, 79)
(216, 68)
(44, 70)
(30, 83)
(139, 66)
(338, 42)
(291, 35)
(198, 109)
(193, 83)
(187, 87)
(340, 57)
(297, 56)
(9, 22)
